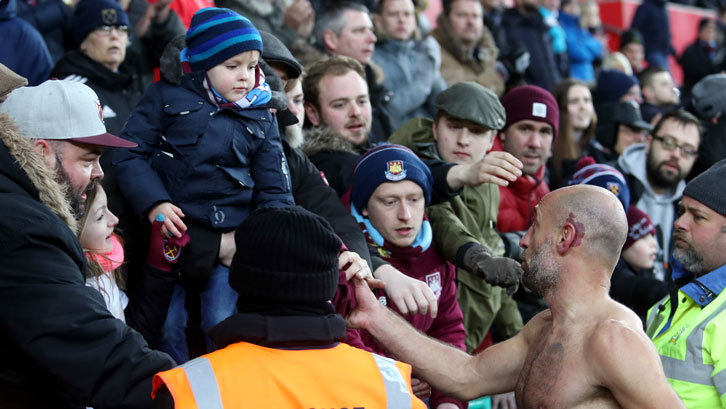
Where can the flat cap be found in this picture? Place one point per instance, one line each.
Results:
(472, 102)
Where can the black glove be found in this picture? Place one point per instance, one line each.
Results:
(499, 271)
(164, 251)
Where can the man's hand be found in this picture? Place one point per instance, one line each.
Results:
(300, 16)
(227, 248)
(499, 271)
(353, 265)
(421, 389)
(367, 309)
(410, 296)
(173, 224)
(497, 167)
(504, 401)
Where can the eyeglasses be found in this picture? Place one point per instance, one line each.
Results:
(106, 30)
(669, 144)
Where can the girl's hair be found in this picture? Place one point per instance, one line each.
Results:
(565, 147)
(93, 266)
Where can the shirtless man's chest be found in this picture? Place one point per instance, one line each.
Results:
(557, 375)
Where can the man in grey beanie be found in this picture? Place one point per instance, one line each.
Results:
(688, 327)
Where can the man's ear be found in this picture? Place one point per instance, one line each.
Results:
(312, 114)
(647, 92)
(46, 150)
(491, 141)
(433, 128)
(377, 20)
(330, 41)
(566, 238)
(364, 212)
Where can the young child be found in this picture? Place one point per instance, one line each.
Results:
(104, 252)
(209, 153)
(146, 309)
(633, 282)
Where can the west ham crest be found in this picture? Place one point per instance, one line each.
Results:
(171, 251)
(434, 283)
(614, 188)
(395, 171)
(100, 110)
(109, 16)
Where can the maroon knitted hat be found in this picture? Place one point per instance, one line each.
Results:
(639, 226)
(531, 102)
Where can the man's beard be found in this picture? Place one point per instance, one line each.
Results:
(78, 207)
(540, 273)
(688, 256)
(658, 177)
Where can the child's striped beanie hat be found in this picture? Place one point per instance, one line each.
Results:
(217, 34)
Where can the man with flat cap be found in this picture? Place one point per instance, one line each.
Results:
(689, 327)
(59, 345)
(462, 131)
(283, 349)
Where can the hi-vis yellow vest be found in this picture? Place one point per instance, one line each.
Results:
(693, 349)
(245, 375)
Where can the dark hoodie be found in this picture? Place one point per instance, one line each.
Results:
(22, 48)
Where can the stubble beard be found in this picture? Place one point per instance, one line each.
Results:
(73, 196)
(540, 273)
(692, 261)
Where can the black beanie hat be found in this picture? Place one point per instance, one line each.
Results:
(704, 188)
(286, 255)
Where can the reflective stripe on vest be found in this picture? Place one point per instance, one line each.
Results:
(289, 378)
(203, 383)
(396, 390)
(691, 368)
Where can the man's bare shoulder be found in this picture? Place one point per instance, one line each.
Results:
(534, 327)
(622, 359)
(617, 329)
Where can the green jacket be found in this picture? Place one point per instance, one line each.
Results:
(691, 345)
(467, 218)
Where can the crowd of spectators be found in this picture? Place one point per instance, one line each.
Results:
(417, 151)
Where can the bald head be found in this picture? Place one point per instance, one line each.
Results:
(597, 217)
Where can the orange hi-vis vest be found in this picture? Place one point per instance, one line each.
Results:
(245, 375)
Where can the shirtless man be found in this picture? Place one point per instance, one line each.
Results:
(586, 351)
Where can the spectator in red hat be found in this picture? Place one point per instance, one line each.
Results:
(532, 120)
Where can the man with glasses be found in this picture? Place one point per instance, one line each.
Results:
(655, 172)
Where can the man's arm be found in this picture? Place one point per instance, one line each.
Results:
(446, 368)
(625, 361)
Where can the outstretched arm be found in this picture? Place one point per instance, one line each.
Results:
(446, 368)
(626, 362)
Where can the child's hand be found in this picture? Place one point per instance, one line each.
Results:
(173, 224)
(164, 250)
(227, 248)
